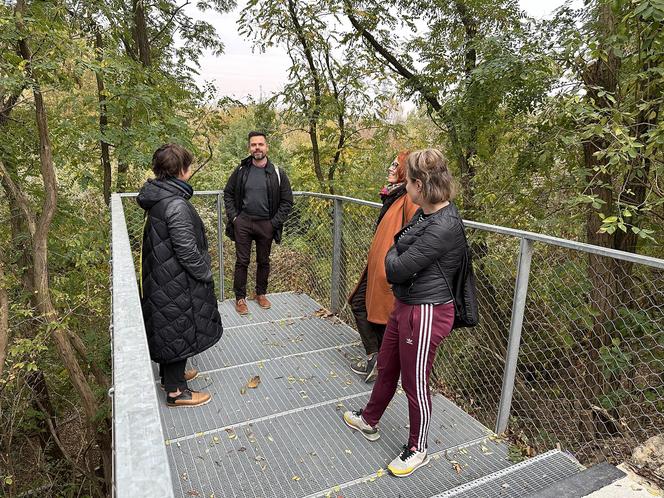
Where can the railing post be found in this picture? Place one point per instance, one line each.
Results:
(335, 290)
(220, 246)
(514, 341)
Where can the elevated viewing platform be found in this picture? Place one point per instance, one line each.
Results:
(286, 437)
(280, 378)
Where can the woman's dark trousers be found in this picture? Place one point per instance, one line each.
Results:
(370, 333)
(172, 375)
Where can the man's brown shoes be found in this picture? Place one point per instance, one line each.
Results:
(241, 306)
(263, 302)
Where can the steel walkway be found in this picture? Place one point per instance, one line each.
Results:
(286, 437)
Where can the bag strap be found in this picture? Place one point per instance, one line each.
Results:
(466, 260)
(276, 169)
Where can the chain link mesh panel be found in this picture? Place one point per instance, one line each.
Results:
(591, 365)
(590, 375)
(470, 362)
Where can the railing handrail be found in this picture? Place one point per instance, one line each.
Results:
(140, 463)
(514, 232)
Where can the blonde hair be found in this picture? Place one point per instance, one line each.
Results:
(430, 167)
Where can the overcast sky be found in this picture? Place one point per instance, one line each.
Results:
(239, 72)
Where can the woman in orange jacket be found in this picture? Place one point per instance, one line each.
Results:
(372, 300)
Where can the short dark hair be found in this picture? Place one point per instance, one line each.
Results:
(256, 134)
(171, 160)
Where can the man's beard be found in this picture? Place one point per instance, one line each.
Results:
(258, 155)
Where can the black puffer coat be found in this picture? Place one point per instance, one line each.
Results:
(414, 263)
(179, 305)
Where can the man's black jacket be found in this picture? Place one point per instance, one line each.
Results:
(279, 196)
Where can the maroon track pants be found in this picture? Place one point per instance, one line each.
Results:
(409, 347)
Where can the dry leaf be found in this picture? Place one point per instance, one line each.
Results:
(296, 478)
(193, 492)
(457, 467)
(254, 381)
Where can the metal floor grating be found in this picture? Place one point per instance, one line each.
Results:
(287, 437)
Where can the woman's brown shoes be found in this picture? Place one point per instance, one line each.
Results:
(188, 398)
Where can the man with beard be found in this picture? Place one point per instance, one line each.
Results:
(258, 199)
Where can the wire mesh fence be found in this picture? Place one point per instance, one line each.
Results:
(590, 371)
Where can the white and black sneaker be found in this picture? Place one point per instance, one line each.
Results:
(354, 420)
(407, 462)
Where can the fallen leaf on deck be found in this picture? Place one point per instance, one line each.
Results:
(241, 449)
(269, 438)
(254, 381)
(348, 452)
(380, 473)
(296, 478)
(193, 492)
(215, 440)
(323, 313)
(457, 468)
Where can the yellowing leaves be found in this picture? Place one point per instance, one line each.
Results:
(252, 383)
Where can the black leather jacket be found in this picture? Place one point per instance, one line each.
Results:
(414, 263)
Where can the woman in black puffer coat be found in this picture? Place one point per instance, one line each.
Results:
(177, 292)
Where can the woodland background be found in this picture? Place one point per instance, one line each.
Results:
(553, 126)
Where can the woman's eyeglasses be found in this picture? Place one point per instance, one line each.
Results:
(393, 166)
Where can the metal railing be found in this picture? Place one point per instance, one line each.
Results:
(570, 348)
(140, 465)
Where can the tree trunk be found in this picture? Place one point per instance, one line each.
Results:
(341, 122)
(4, 318)
(314, 108)
(123, 165)
(468, 150)
(42, 403)
(44, 303)
(140, 33)
(603, 298)
(103, 121)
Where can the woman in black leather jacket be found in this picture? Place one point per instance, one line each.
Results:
(177, 291)
(426, 254)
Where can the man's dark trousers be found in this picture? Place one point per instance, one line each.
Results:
(247, 230)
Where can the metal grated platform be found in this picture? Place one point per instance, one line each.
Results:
(286, 437)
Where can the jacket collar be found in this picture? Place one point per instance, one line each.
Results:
(448, 210)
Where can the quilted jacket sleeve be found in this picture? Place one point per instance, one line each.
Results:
(434, 242)
(286, 200)
(183, 239)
